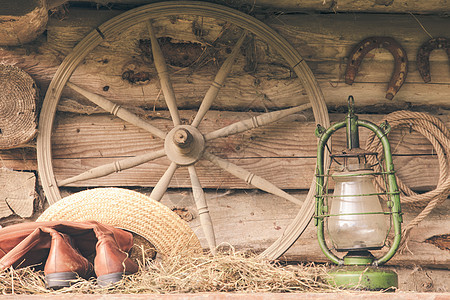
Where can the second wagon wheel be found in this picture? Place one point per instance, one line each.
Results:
(226, 46)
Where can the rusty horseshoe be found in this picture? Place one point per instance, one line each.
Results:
(365, 46)
(423, 56)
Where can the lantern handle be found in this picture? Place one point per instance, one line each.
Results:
(351, 105)
(351, 127)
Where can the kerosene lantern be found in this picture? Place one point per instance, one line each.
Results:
(353, 218)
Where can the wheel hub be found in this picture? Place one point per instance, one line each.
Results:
(184, 145)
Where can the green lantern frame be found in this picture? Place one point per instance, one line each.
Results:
(360, 270)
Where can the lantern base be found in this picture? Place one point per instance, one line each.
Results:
(363, 278)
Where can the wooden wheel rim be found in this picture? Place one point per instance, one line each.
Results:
(151, 11)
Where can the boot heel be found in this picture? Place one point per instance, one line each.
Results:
(107, 279)
(60, 279)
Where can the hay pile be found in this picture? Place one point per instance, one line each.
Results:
(225, 272)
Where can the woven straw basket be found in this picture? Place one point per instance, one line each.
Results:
(131, 211)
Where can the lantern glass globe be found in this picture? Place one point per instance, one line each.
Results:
(357, 221)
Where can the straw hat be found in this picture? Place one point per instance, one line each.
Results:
(128, 210)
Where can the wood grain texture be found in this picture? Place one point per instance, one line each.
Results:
(17, 193)
(19, 159)
(323, 40)
(283, 153)
(379, 6)
(259, 218)
(22, 22)
(83, 142)
(18, 107)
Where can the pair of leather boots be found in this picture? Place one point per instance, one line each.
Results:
(65, 246)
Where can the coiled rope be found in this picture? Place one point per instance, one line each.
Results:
(439, 136)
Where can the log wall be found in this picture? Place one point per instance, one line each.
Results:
(440, 7)
(284, 153)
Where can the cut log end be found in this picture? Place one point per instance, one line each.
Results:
(20, 24)
(17, 193)
(18, 101)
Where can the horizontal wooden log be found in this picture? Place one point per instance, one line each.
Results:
(323, 40)
(74, 134)
(379, 6)
(82, 143)
(19, 159)
(283, 153)
(253, 220)
(332, 37)
(284, 173)
(419, 279)
(20, 7)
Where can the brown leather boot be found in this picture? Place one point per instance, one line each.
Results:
(64, 263)
(29, 243)
(23, 245)
(111, 262)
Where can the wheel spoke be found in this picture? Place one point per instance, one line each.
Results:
(118, 111)
(166, 84)
(254, 122)
(113, 167)
(250, 178)
(161, 187)
(202, 209)
(219, 80)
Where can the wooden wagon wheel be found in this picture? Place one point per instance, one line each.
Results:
(184, 144)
